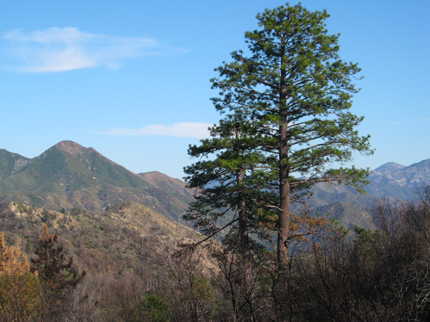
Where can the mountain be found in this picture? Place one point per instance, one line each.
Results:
(390, 180)
(69, 176)
(171, 193)
(348, 214)
(415, 175)
(68, 167)
(390, 167)
(164, 182)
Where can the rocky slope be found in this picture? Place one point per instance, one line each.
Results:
(415, 175)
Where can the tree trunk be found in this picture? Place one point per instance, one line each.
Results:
(243, 225)
(284, 195)
(284, 189)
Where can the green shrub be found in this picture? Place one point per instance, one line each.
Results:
(152, 308)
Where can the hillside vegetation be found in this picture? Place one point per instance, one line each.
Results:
(127, 237)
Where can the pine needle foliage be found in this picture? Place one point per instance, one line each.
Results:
(229, 189)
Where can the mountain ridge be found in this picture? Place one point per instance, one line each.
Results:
(389, 166)
(414, 175)
(68, 175)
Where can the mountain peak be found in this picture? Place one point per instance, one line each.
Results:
(389, 166)
(73, 148)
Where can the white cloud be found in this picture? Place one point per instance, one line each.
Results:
(62, 49)
(181, 130)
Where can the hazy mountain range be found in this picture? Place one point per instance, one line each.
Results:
(390, 181)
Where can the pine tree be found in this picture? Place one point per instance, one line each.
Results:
(294, 92)
(55, 272)
(227, 194)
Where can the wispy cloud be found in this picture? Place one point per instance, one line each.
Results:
(181, 130)
(62, 49)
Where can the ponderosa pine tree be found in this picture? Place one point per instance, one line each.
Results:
(55, 272)
(294, 92)
(227, 184)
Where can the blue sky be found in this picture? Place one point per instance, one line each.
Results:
(131, 78)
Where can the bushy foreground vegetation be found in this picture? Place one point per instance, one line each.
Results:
(381, 275)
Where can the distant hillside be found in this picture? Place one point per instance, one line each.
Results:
(11, 163)
(164, 182)
(68, 175)
(68, 167)
(348, 214)
(391, 180)
(127, 237)
(170, 193)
